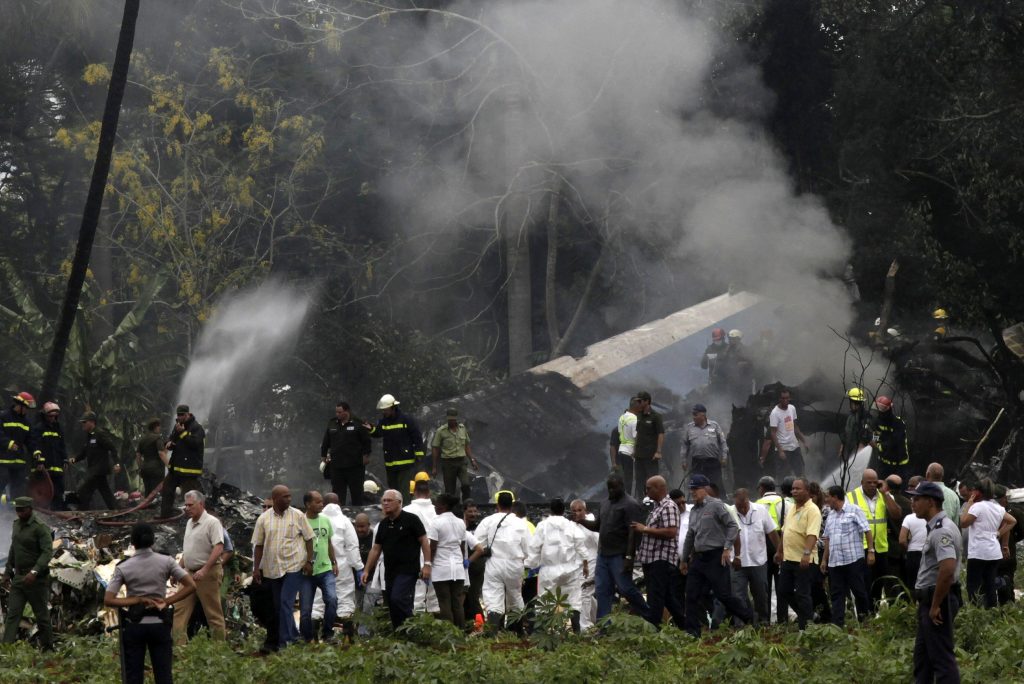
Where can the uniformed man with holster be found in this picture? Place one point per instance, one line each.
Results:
(99, 455)
(145, 615)
(937, 589)
(28, 572)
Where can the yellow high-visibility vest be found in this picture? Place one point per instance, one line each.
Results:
(877, 522)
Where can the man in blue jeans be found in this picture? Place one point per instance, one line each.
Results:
(325, 570)
(282, 554)
(615, 546)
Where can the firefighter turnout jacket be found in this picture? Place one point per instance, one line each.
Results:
(402, 440)
(15, 438)
(890, 437)
(186, 449)
(50, 449)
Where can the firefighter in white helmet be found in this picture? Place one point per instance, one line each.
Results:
(402, 441)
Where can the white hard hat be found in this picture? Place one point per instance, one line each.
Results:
(735, 333)
(386, 402)
(370, 487)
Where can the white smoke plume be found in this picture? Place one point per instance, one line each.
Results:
(240, 343)
(617, 99)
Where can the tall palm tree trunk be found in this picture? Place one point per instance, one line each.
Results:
(94, 201)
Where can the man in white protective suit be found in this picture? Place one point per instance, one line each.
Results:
(588, 602)
(503, 539)
(557, 547)
(350, 564)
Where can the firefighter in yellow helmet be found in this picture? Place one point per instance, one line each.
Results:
(856, 432)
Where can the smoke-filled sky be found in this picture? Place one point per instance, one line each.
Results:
(616, 98)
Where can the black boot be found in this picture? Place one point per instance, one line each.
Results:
(574, 619)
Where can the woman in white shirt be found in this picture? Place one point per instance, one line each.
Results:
(447, 536)
(913, 532)
(988, 544)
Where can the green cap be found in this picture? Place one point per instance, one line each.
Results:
(88, 415)
(23, 502)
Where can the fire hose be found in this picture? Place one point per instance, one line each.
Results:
(109, 520)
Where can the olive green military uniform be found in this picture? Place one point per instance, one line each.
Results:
(30, 554)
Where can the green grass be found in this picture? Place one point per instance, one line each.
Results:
(988, 649)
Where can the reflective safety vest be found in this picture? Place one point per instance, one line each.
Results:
(771, 501)
(626, 439)
(877, 522)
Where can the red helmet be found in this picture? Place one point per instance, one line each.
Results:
(25, 399)
(883, 403)
(718, 334)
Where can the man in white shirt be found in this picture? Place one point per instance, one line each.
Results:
(350, 563)
(588, 603)
(557, 547)
(200, 556)
(786, 440)
(423, 508)
(448, 538)
(504, 540)
(750, 565)
(913, 532)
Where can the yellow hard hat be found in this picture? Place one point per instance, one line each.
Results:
(940, 314)
(421, 476)
(941, 331)
(855, 394)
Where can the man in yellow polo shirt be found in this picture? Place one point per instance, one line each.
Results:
(798, 554)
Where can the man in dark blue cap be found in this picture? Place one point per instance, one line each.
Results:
(706, 555)
(936, 588)
(704, 450)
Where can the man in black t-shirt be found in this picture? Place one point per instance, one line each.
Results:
(650, 438)
(400, 538)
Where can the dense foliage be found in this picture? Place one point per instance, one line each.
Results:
(429, 651)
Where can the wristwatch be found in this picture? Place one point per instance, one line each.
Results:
(428, 564)
(806, 552)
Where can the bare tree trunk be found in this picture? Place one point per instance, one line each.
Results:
(94, 200)
(550, 292)
(890, 291)
(584, 302)
(517, 242)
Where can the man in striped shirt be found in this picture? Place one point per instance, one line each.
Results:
(282, 554)
(658, 553)
(843, 559)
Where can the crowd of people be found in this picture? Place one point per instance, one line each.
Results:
(693, 556)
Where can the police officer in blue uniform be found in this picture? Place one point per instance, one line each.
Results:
(937, 589)
(146, 616)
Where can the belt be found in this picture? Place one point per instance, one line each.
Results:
(708, 553)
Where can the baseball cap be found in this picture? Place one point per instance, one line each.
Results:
(700, 408)
(698, 481)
